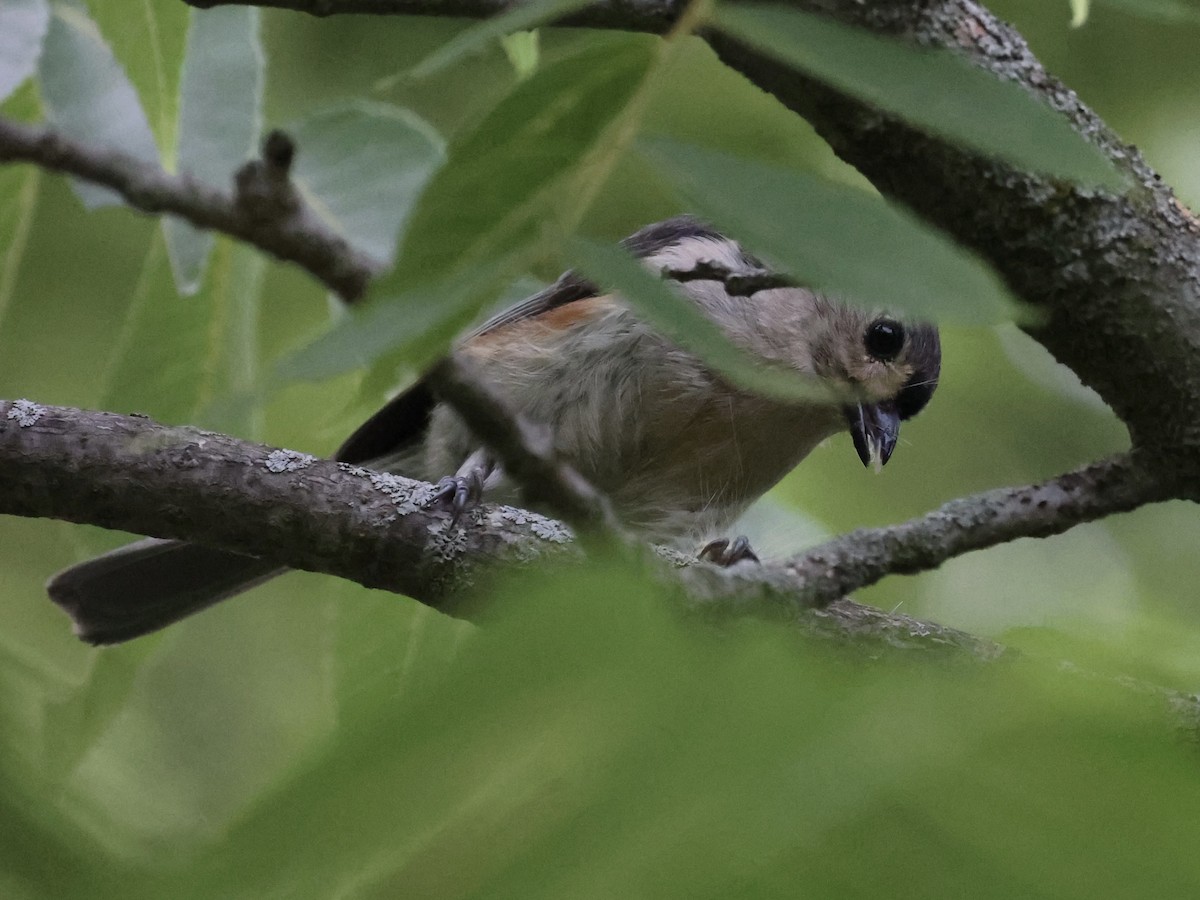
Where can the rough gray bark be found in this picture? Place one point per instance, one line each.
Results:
(133, 474)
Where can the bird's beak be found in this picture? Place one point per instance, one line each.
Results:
(875, 428)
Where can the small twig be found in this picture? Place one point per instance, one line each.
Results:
(263, 187)
(265, 211)
(740, 283)
(525, 449)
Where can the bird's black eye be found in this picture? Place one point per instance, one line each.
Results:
(884, 339)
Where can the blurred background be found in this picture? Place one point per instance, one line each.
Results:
(317, 739)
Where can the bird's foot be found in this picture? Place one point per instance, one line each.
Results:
(726, 552)
(458, 493)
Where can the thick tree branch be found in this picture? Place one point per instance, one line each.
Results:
(133, 474)
(263, 211)
(130, 473)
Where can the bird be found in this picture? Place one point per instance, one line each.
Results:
(679, 450)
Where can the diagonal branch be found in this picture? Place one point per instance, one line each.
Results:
(863, 557)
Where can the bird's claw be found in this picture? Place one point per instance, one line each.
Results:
(725, 552)
(458, 493)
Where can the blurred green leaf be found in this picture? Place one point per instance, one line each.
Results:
(87, 96)
(361, 167)
(937, 91)
(231, 358)
(148, 38)
(476, 224)
(175, 360)
(19, 189)
(680, 319)
(1079, 12)
(523, 49)
(412, 328)
(493, 196)
(23, 25)
(834, 238)
(588, 743)
(75, 722)
(220, 114)
(1159, 10)
(475, 38)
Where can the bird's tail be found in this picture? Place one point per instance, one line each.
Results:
(147, 585)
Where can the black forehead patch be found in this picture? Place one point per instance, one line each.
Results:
(661, 235)
(925, 356)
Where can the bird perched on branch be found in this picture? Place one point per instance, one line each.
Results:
(679, 450)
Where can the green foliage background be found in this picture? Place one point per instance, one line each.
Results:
(315, 739)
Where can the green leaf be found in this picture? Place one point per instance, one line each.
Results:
(175, 361)
(226, 396)
(1079, 12)
(148, 38)
(87, 96)
(220, 114)
(680, 319)
(362, 167)
(523, 49)
(663, 759)
(413, 328)
(494, 197)
(23, 25)
(1159, 10)
(837, 239)
(476, 223)
(19, 190)
(934, 90)
(477, 37)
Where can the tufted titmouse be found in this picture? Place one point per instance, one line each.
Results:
(679, 451)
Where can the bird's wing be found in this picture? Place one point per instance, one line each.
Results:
(403, 421)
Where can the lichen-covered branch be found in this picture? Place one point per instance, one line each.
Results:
(132, 474)
(863, 557)
(261, 211)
